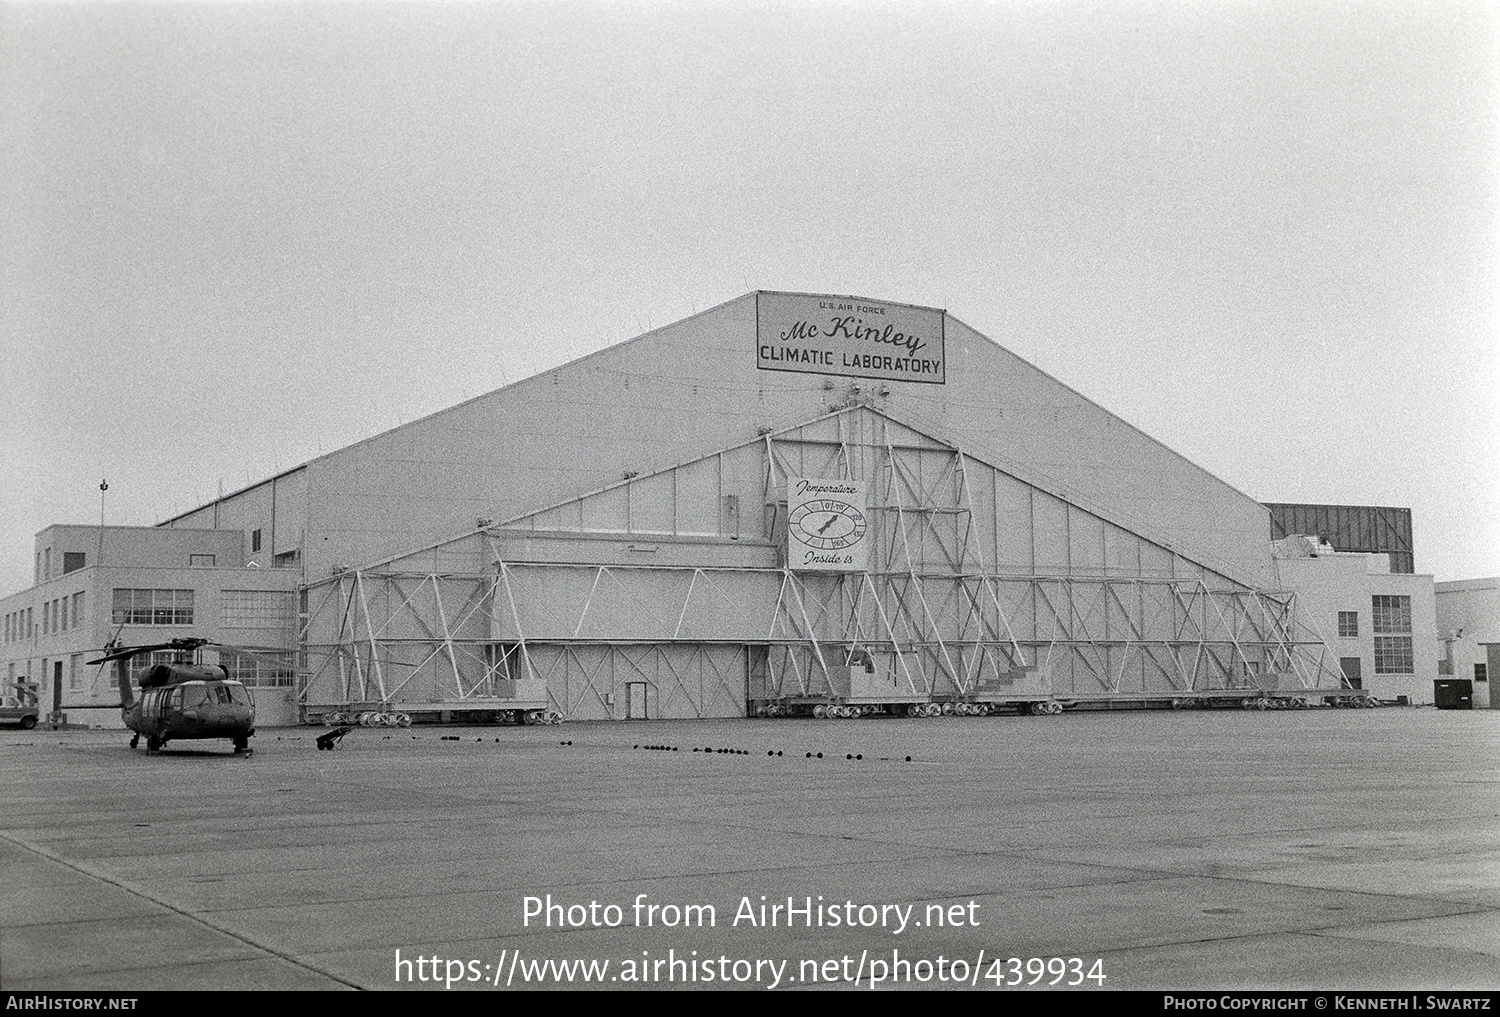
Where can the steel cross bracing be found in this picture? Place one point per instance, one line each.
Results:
(395, 630)
(707, 638)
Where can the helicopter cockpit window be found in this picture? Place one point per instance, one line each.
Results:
(174, 701)
(222, 691)
(239, 694)
(195, 695)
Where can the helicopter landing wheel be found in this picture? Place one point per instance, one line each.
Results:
(153, 743)
(242, 745)
(135, 740)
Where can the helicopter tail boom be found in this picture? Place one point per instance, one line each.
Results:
(127, 697)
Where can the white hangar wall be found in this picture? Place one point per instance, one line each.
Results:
(677, 582)
(692, 387)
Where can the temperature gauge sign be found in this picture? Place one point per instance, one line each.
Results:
(826, 526)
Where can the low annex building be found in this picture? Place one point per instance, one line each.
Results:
(1375, 620)
(137, 585)
(1468, 625)
(785, 499)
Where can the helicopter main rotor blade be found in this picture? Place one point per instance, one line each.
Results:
(124, 652)
(264, 654)
(127, 652)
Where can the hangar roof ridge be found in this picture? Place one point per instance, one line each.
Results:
(529, 379)
(645, 336)
(533, 378)
(1106, 410)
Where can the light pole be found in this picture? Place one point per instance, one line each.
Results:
(103, 486)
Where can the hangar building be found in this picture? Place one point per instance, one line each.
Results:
(786, 499)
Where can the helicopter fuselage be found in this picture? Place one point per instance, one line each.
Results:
(181, 700)
(195, 709)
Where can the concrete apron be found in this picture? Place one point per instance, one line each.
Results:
(1324, 849)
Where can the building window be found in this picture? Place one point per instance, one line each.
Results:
(152, 607)
(75, 680)
(72, 561)
(286, 560)
(1348, 624)
(254, 540)
(77, 609)
(1393, 655)
(205, 560)
(47, 564)
(260, 670)
(1391, 621)
(255, 609)
(1481, 672)
(62, 611)
(1392, 615)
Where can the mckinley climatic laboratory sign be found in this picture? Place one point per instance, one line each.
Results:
(848, 336)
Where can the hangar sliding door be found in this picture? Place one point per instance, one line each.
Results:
(594, 681)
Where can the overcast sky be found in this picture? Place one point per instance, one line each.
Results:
(235, 236)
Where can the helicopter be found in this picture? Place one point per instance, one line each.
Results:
(181, 701)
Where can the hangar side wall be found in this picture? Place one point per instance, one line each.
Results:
(277, 507)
